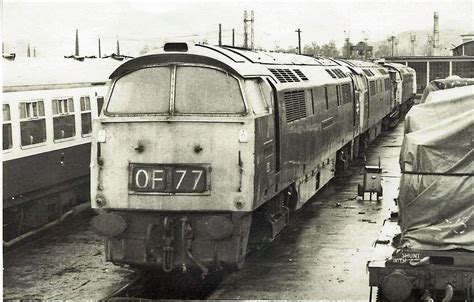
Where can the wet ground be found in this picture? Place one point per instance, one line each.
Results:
(322, 254)
(67, 262)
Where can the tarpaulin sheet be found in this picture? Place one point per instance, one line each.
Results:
(450, 82)
(436, 198)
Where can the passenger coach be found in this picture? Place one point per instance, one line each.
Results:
(48, 107)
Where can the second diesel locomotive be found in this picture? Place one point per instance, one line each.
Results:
(204, 150)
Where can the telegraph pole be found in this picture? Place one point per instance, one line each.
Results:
(28, 52)
(252, 37)
(299, 40)
(392, 40)
(220, 34)
(76, 52)
(233, 37)
(246, 35)
(412, 41)
(34, 52)
(100, 51)
(347, 37)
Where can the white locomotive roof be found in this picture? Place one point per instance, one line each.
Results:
(53, 71)
(287, 69)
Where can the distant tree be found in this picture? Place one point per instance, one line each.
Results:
(312, 49)
(144, 50)
(383, 51)
(291, 49)
(330, 50)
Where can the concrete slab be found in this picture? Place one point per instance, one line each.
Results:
(323, 253)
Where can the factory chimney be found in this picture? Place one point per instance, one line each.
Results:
(436, 34)
(76, 53)
(118, 47)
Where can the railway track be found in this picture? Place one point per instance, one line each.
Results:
(149, 286)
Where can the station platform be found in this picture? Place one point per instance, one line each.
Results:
(324, 251)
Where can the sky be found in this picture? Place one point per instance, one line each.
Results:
(50, 26)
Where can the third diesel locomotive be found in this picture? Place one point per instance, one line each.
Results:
(204, 150)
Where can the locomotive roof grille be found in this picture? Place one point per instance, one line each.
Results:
(331, 73)
(368, 72)
(300, 74)
(284, 75)
(339, 73)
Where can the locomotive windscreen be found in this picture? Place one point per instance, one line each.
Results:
(197, 90)
(143, 91)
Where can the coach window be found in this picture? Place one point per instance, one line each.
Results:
(86, 119)
(7, 128)
(63, 118)
(32, 123)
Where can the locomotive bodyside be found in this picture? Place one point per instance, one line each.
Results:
(203, 150)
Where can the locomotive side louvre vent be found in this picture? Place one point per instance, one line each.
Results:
(284, 75)
(331, 73)
(295, 105)
(300, 74)
(339, 73)
(383, 71)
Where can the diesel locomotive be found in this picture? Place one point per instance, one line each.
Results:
(202, 151)
(48, 106)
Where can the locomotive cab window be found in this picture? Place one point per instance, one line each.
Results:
(207, 90)
(100, 104)
(338, 95)
(372, 88)
(7, 128)
(64, 124)
(32, 122)
(86, 118)
(142, 91)
(197, 90)
(326, 97)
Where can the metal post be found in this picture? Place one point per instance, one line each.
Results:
(233, 37)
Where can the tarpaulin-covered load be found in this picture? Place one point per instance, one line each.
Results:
(448, 83)
(436, 197)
